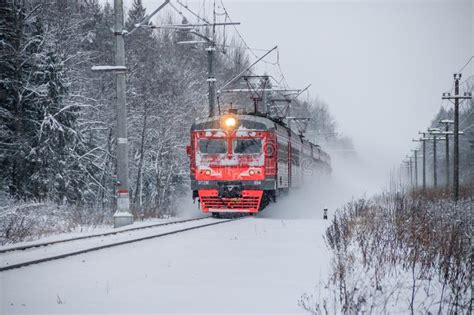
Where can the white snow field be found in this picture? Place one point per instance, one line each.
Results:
(259, 265)
(255, 265)
(44, 252)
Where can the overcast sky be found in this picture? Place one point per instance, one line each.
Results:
(380, 65)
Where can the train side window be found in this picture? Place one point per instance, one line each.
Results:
(282, 153)
(295, 159)
(212, 146)
(247, 146)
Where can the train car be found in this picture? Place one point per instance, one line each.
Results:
(239, 163)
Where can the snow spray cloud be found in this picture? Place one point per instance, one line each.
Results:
(187, 208)
(350, 178)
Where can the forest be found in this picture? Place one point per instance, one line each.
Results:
(57, 116)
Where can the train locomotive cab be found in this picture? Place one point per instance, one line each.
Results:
(233, 163)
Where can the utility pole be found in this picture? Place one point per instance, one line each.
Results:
(435, 181)
(410, 169)
(456, 97)
(211, 49)
(210, 65)
(456, 138)
(210, 77)
(406, 164)
(471, 142)
(434, 132)
(423, 139)
(409, 178)
(446, 123)
(123, 215)
(264, 97)
(415, 151)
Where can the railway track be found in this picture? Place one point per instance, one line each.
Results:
(24, 247)
(86, 249)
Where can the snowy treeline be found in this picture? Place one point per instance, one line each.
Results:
(398, 253)
(57, 117)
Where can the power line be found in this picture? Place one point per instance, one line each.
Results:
(467, 79)
(470, 59)
(246, 48)
(237, 31)
(176, 9)
(251, 50)
(282, 75)
(192, 12)
(282, 82)
(467, 117)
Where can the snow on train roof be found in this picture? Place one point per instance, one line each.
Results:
(246, 121)
(252, 122)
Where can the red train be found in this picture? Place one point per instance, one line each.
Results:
(239, 163)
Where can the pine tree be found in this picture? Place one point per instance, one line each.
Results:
(41, 140)
(21, 46)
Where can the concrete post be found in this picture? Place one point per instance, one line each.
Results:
(211, 79)
(123, 215)
(456, 139)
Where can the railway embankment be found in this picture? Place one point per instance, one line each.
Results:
(399, 252)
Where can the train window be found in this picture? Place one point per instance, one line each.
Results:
(248, 146)
(282, 153)
(212, 146)
(295, 158)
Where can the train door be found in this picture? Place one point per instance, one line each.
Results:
(295, 165)
(283, 169)
(290, 164)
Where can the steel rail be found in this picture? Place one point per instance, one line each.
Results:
(24, 247)
(37, 261)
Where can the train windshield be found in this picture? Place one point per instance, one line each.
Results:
(213, 146)
(248, 146)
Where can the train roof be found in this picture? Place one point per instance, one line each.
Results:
(246, 121)
(249, 122)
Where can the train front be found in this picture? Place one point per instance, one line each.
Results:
(232, 163)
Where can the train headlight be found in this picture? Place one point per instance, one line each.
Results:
(208, 172)
(251, 172)
(229, 122)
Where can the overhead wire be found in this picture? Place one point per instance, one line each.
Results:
(176, 9)
(237, 31)
(467, 63)
(251, 50)
(466, 80)
(277, 63)
(468, 114)
(281, 83)
(241, 47)
(192, 12)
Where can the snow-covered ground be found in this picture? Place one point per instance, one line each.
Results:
(86, 231)
(252, 265)
(43, 252)
(256, 265)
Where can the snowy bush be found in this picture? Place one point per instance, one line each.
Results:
(398, 253)
(20, 221)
